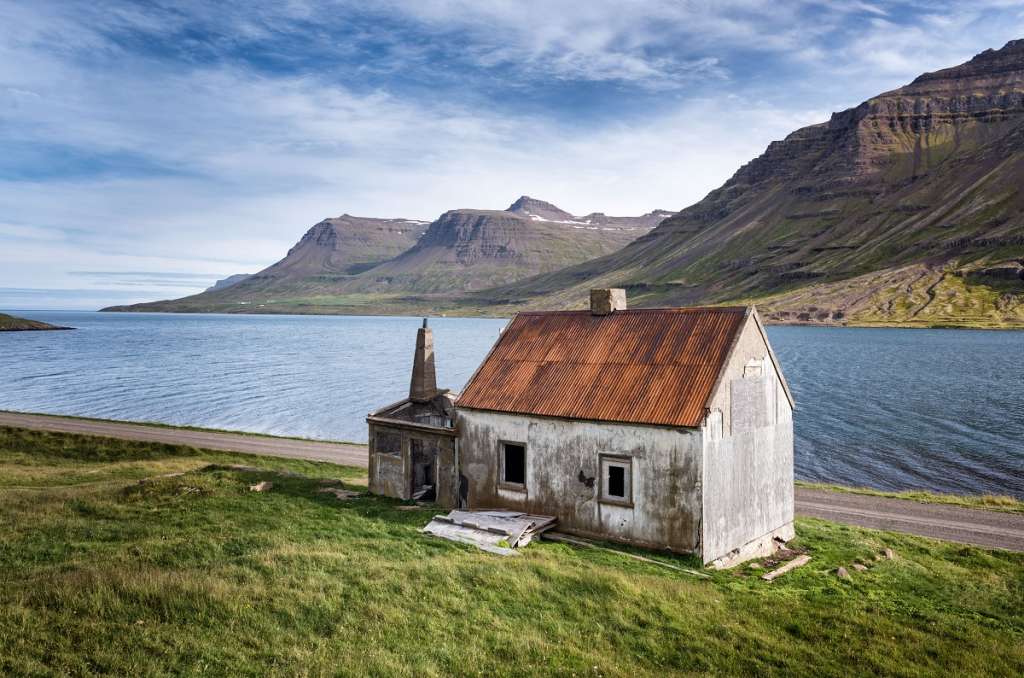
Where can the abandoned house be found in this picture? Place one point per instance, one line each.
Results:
(664, 428)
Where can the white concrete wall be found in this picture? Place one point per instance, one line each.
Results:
(748, 468)
(666, 475)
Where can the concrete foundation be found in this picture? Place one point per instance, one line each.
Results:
(762, 546)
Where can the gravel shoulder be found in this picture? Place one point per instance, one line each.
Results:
(993, 529)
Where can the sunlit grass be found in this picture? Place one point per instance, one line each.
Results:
(196, 574)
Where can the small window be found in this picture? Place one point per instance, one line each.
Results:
(387, 442)
(513, 464)
(617, 480)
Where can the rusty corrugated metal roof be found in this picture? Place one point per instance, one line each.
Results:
(645, 366)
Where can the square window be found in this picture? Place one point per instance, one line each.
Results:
(513, 464)
(387, 442)
(617, 480)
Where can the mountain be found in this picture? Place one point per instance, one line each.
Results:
(332, 250)
(345, 246)
(360, 265)
(229, 281)
(905, 209)
(468, 249)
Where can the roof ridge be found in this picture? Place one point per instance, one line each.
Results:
(642, 366)
(665, 309)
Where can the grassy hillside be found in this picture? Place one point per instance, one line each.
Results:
(909, 296)
(196, 574)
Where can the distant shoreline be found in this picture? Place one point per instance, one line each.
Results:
(10, 323)
(499, 316)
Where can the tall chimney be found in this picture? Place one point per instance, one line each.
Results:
(423, 386)
(605, 302)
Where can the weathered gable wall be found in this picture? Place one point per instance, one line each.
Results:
(748, 452)
(390, 472)
(563, 475)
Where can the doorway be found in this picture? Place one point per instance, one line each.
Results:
(423, 458)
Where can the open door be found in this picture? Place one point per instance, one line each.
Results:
(423, 458)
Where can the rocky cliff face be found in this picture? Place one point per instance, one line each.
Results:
(928, 174)
(469, 249)
(347, 245)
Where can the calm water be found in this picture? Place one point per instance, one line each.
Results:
(893, 409)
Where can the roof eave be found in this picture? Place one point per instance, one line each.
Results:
(771, 353)
(725, 360)
(618, 422)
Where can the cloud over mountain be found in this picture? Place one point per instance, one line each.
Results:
(201, 138)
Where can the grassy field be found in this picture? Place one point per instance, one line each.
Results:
(195, 574)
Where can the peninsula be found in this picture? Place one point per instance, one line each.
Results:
(10, 323)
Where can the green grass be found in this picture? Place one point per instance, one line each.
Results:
(991, 502)
(196, 574)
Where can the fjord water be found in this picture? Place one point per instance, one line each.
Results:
(885, 408)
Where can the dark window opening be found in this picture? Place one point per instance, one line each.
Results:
(515, 464)
(388, 442)
(616, 481)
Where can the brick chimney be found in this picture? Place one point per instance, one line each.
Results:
(423, 386)
(604, 302)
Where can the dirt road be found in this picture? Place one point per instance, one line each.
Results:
(952, 523)
(348, 454)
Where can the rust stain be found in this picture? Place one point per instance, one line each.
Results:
(644, 366)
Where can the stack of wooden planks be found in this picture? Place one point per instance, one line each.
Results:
(494, 531)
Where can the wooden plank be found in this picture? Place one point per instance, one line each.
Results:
(575, 541)
(485, 541)
(791, 565)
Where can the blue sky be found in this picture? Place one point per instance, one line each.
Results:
(149, 148)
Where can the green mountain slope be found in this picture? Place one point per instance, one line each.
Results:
(905, 209)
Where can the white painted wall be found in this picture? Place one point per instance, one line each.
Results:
(666, 475)
(748, 470)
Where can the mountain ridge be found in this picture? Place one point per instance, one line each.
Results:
(339, 263)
